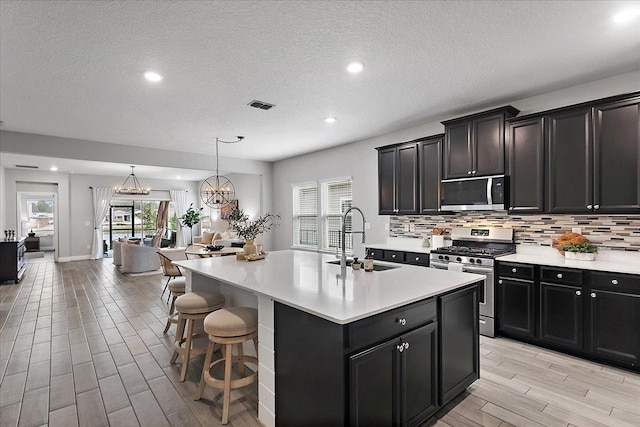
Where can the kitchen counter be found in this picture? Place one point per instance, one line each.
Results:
(613, 261)
(306, 281)
(308, 284)
(401, 244)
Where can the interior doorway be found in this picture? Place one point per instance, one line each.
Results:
(38, 220)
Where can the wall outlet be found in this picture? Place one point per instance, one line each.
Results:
(406, 227)
(367, 226)
(412, 227)
(577, 230)
(386, 227)
(88, 246)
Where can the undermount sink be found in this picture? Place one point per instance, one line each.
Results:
(376, 267)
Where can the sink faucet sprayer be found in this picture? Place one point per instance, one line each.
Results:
(343, 258)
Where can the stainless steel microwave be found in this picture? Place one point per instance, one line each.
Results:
(483, 193)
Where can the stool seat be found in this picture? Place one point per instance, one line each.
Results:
(178, 285)
(199, 302)
(231, 322)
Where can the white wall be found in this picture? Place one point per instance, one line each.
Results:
(360, 160)
(2, 202)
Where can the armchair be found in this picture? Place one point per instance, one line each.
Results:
(138, 258)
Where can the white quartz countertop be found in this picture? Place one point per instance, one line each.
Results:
(629, 264)
(401, 244)
(306, 281)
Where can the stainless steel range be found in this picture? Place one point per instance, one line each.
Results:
(473, 251)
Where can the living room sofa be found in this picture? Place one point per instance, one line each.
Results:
(217, 238)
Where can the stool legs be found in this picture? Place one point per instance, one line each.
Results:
(171, 309)
(207, 362)
(186, 357)
(226, 399)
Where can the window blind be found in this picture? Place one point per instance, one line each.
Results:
(336, 199)
(305, 215)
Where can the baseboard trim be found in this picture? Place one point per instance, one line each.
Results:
(74, 258)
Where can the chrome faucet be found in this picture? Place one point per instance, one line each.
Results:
(343, 258)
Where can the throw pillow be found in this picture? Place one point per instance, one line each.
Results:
(123, 240)
(207, 237)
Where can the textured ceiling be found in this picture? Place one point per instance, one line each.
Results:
(74, 69)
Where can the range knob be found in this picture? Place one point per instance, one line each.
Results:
(471, 260)
(446, 257)
(440, 257)
(458, 259)
(478, 261)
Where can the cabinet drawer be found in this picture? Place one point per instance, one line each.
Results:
(392, 323)
(518, 271)
(616, 281)
(376, 253)
(417, 258)
(564, 276)
(393, 256)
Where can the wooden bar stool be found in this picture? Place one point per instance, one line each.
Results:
(229, 326)
(176, 289)
(191, 307)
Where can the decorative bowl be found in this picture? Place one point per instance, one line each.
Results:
(214, 248)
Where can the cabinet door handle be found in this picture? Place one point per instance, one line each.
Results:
(559, 275)
(578, 293)
(593, 294)
(406, 345)
(393, 256)
(417, 258)
(473, 172)
(513, 270)
(589, 206)
(614, 282)
(596, 207)
(372, 253)
(500, 282)
(400, 347)
(401, 321)
(510, 208)
(468, 172)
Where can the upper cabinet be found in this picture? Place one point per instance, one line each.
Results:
(594, 158)
(474, 145)
(430, 166)
(525, 152)
(398, 179)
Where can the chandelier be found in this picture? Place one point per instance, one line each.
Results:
(218, 191)
(131, 185)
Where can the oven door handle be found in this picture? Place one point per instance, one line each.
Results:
(436, 264)
(477, 270)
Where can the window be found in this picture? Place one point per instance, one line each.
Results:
(334, 199)
(305, 215)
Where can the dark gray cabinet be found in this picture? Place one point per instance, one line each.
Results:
(430, 166)
(12, 266)
(591, 314)
(393, 369)
(516, 299)
(525, 148)
(594, 158)
(570, 161)
(395, 383)
(398, 179)
(413, 258)
(474, 145)
(616, 141)
(614, 317)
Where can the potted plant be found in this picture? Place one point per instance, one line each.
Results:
(190, 218)
(248, 229)
(583, 251)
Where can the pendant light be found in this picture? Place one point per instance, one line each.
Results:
(218, 191)
(132, 186)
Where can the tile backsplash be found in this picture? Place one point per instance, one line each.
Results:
(616, 232)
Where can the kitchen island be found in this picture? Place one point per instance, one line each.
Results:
(324, 331)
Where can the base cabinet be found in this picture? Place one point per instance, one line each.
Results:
(396, 368)
(395, 383)
(591, 314)
(12, 265)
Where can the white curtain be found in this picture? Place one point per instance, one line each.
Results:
(101, 198)
(179, 200)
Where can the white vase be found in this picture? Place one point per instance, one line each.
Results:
(580, 256)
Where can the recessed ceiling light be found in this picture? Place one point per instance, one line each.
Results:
(626, 16)
(53, 168)
(355, 67)
(330, 119)
(152, 76)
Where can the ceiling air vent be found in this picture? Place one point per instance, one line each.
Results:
(261, 105)
(28, 166)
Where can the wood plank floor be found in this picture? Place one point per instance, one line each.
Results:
(82, 344)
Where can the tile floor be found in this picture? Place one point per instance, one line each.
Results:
(82, 344)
